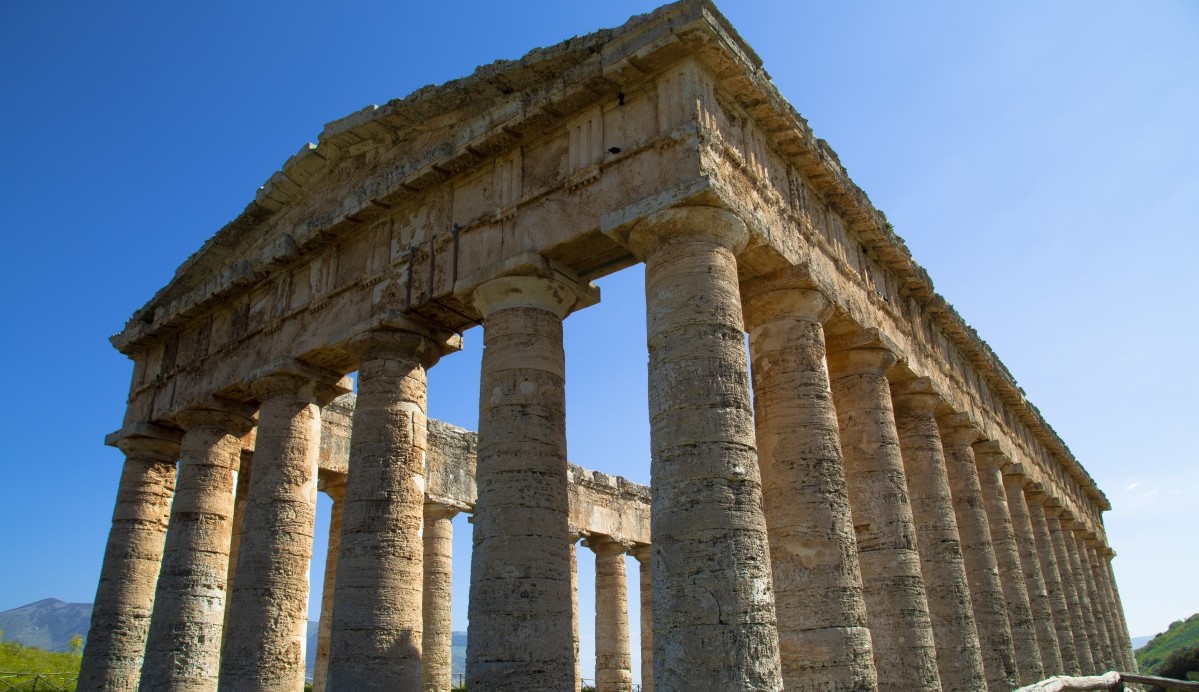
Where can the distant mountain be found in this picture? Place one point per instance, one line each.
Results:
(1138, 642)
(48, 624)
(458, 655)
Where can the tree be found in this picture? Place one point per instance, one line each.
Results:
(1182, 664)
(76, 644)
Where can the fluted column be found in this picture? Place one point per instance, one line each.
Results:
(377, 627)
(959, 658)
(267, 629)
(714, 621)
(1102, 642)
(438, 642)
(892, 585)
(958, 436)
(1119, 610)
(1013, 575)
(1051, 569)
(241, 500)
(1104, 594)
(184, 643)
(520, 593)
(335, 488)
(573, 540)
(1051, 640)
(613, 659)
(823, 636)
(120, 620)
(642, 553)
(1068, 572)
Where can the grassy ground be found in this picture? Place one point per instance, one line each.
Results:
(28, 660)
(1183, 634)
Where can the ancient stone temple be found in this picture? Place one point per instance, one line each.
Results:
(886, 512)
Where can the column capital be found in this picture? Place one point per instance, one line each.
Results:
(233, 417)
(402, 340)
(641, 552)
(333, 485)
(690, 222)
(957, 430)
(990, 454)
(147, 441)
(291, 377)
(917, 393)
(437, 510)
(787, 294)
(526, 280)
(607, 545)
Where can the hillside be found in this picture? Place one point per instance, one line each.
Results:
(1183, 634)
(47, 624)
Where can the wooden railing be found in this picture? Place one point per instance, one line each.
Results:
(1107, 681)
(38, 682)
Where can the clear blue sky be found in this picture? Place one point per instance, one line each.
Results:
(1038, 158)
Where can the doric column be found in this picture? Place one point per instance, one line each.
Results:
(377, 628)
(335, 488)
(1050, 568)
(520, 598)
(823, 636)
(184, 643)
(116, 641)
(958, 436)
(959, 658)
(714, 621)
(1050, 639)
(642, 553)
(1094, 556)
(241, 500)
(1068, 572)
(1012, 573)
(438, 642)
(613, 660)
(1119, 611)
(268, 613)
(892, 586)
(573, 540)
(1102, 641)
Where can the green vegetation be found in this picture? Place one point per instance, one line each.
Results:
(1182, 634)
(15, 657)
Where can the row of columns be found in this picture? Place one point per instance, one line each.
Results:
(843, 536)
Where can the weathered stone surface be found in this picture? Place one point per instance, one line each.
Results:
(613, 657)
(1104, 657)
(644, 561)
(184, 643)
(823, 638)
(958, 436)
(1050, 639)
(959, 658)
(334, 486)
(1076, 604)
(1056, 584)
(267, 628)
(893, 587)
(377, 629)
(1013, 578)
(437, 645)
(714, 622)
(124, 601)
(520, 594)
(576, 161)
